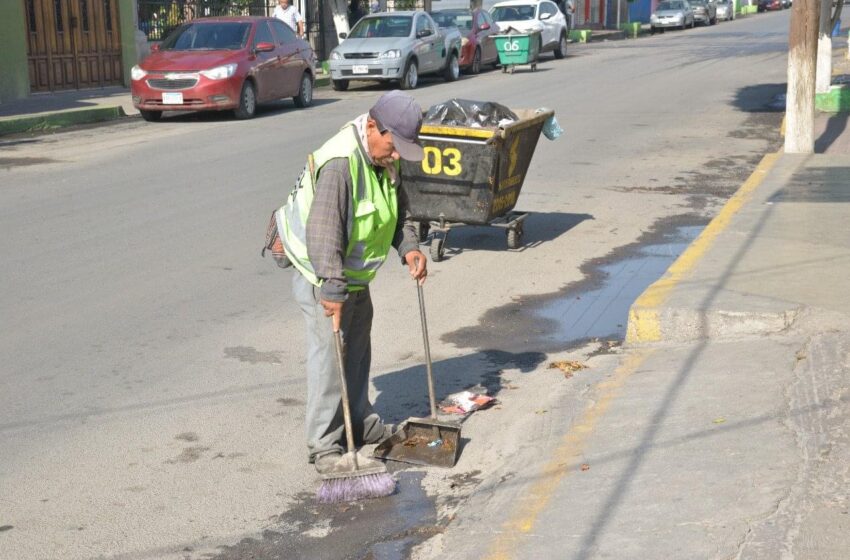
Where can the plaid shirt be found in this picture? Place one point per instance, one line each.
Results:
(330, 221)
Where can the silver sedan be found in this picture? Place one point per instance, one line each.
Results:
(671, 13)
(725, 10)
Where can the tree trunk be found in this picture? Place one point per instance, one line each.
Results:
(339, 8)
(802, 58)
(824, 67)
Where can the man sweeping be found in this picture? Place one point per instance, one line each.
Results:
(337, 228)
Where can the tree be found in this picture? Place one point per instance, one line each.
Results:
(829, 15)
(802, 59)
(339, 9)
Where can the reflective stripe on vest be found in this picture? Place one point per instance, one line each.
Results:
(371, 224)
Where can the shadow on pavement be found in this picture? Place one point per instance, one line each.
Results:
(265, 110)
(835, 127)
(761, 98)
(404, 393)
(539, 228)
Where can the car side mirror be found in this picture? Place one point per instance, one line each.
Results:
(423, 33)
(263, 47)
(484, 26)
(545, 16)
(343, 35)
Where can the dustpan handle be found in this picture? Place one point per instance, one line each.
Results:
(431, 397)
(346, 407)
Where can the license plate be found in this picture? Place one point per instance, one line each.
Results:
(172, 98)
(360, 69)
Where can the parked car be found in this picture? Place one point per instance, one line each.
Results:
(704, 12)
(476, 28)
(769, 5)
(396, 46)
(677, 14)
(725, 10)
(527, 16)
(224, 63)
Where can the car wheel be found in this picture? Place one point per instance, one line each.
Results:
(150, 116)
(561, 49)
(683, 26)
(712, 21)
(305, 92)
(651, 30)
(452, 70)
(247, 101)
(476, 62)
(411, 75)
(339, 85)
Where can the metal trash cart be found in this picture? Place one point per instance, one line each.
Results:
(515, 49)
(471, 176)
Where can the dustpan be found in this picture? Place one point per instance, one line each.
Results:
(423, 441)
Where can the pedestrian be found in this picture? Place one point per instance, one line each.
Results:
(567, 8)
(289, 15)
(337, 228)
(375, 7)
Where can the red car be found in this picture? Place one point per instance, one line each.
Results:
(224, 63)
(768, 5)
(476, 28)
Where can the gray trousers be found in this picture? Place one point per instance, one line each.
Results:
(325, 426)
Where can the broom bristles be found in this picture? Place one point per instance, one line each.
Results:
(353, 488)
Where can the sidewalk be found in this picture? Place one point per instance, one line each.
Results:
(44, 111)
(724, 432)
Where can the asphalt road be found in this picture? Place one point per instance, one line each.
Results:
(151, 388)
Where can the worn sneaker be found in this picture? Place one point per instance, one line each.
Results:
(389, 430)
(327, 462)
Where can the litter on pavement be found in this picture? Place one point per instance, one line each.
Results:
(468, 401)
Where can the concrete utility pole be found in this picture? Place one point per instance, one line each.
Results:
(802, 55)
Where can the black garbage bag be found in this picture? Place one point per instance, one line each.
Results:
(463, 112)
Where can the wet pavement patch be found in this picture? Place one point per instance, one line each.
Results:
(593, 308)
(9, 162)
(602, 313)
(382, 529)
(248, 354)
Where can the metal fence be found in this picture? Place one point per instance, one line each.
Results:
(158, 18)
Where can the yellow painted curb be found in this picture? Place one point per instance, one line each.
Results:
(566, 459)
(644, 315)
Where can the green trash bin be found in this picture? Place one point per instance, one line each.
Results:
(517, 49)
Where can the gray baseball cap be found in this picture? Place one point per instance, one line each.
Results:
(400, 114)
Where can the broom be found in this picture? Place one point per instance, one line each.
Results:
(354, 477)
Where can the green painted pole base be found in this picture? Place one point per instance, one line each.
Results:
(836, 101)
(580, 35)
(632, 29)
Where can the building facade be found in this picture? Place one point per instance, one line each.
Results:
(55, 45)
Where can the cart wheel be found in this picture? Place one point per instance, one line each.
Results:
(511, 70)
(438, 248)
(534, 68)
(422, 229)
(504, 69)
(514, 237)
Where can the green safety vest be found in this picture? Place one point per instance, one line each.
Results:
(370, 233)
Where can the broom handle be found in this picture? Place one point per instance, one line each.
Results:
(346, 408)
(432, 398)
